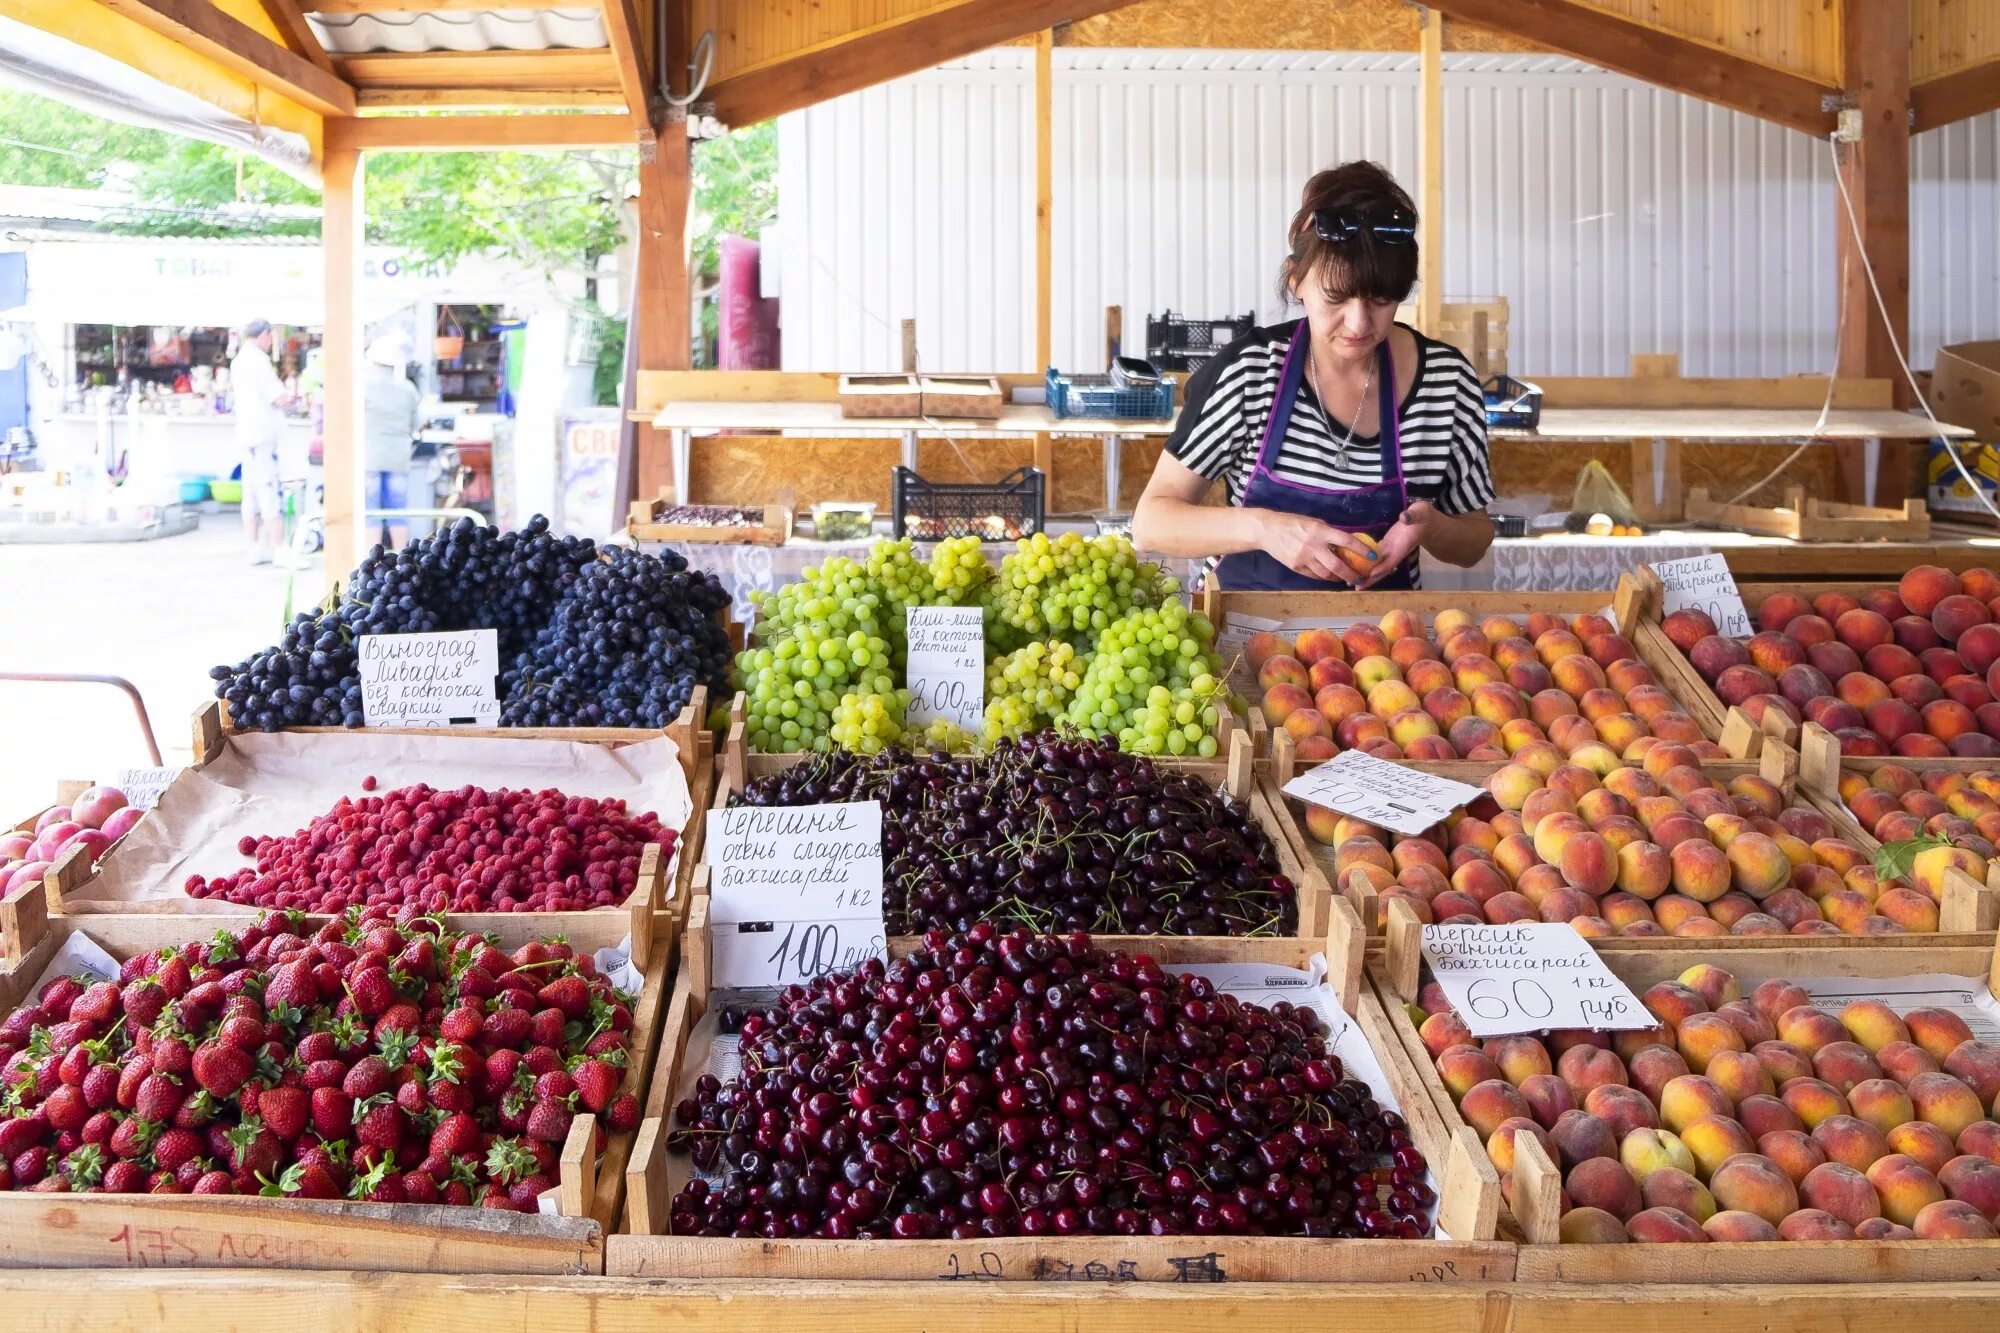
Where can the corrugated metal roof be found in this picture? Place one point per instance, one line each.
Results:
(496, 29)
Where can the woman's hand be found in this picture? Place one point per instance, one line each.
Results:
(1307, 546)
(1402, 540)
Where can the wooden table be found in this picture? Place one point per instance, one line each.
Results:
(1787, 426)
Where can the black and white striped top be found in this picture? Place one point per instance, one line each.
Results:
(1443, 425)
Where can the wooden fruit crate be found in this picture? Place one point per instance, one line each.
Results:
(1467, 1207)
(228, 1231)
(1236, 774)
(653, 910)
(1543, 1258)
(644, 524)
(1804, 519)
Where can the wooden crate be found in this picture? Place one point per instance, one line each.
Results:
(184, 1231)
(645, 525)
(657, 903)
(880, 396)
(1237, 774)
(1542, 1258)
(1467, 1206)
(1803, 519)
(977, 397)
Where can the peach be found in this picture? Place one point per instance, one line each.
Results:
(1701, 1036)
(1625, 1110)
(1588, 863)
(1979, 645)
(1486, 1104)
(1446, 706)
(1809, 631)
(1773, 998)
(1571, 733)
(1476, 669)
(1904, 1060)
(1305, 723)
(1973, 1180)
(1940, 664)
(1410, 725)
(1915, 634)
(1926, 1143)
(1579, 1136)
(1685, 628)
(1407, 653)
(1758, 705)
(1689, 1098)
(1673, 1002)
(1774, 652)
(1763, 1114)
(1654, 1067)
(1361, 730)
(1929, 867)
(1537, 884)
(1500, 1144)
(1740, 1075)
(1946, 1102)
(1444, 1031)
(1364, 640)
(1779, 609)
(1541, 803)
(1752, 1183)
(1850, 1141)
(1979, 1140)
(1450, 621)
(1283, 670)
(1844, 1064)
(1463, 1068)
(1674, 830)
(1591, 1226)
(1336, 703)
(1388, 697)
(1519, 1057)
(1666, 758)
(1893, 661)
(1262, 646)
(1949, 1219)
(1904, 1187)
(1585, 1067)
(1645, 1150)
(1908, 909)
(1947, 719)
(1881, 1228)
(1736, 1225)
(1972, 691)
(1498, 703)
(1953, 616)
(1812, 1100)
(1873, 1024)
(1834, 660)
(1829, 605)
(1977, 1064)
(1758, 865)
(1620, 910)
(1808, 1029)
(1603, 1183)
(1882, 1103)
(1840, 1191)
(1315, 645)
(1673, 1189)
(1701, 870)
(1814, 1224)
(1794, 1152)
(1924, 586)
(1628, 676)
(1938, 1031)
(1713, 1140)
(1329, 671)
(1861, 629)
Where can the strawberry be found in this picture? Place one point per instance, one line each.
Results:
(500, 1069)
(455, 1134)
(596, 1084)
(220, 1070)
(56, 998)
(66, 1107)
(29, 1166)
(462, 1024)
(76, 1062)
(410, 1097)
(378, 1123)
(402, 1016)
(419, 1187)
(315, 1047)
(369, 1075)
(541, 1060)
(506, 1027)
(571, 994)
(371, 991)
(254, 1150)
(99, 1128)
(132, 1138)
(624, 1113)
(214, 1182)
(549, 1121)
(242, 1031)
(293, 985)
(554, 1086)
(84, 1168)
(284, 1111)
(143, 1000)
(323, 1074)
(102, 1084)
(604, 1043)
(175, 1148)
(159, 1096)
(19, 1133)
(548, 1027)
(172, 1055)
(526, 1192)
(332, 1112)
(172, 974)
(98, 1004)
(126, 1178)
(197, 1112)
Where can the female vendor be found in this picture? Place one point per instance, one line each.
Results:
(1348, 442)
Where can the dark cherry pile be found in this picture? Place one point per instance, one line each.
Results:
(587, 637)
(362, 1060)
(1057, 833)
(1005, 1084)
(463, 850)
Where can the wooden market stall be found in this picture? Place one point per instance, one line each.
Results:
(632, 79)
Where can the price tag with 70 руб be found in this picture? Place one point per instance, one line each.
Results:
(1397, 798)
(794, 892)
(1704, 583)
(945, 666)
(1531, 977)
(431, 680)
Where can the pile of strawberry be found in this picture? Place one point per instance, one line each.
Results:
(362, 1060)
(462, 850)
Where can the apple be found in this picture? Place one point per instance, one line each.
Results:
(96, 805)
(121, 821)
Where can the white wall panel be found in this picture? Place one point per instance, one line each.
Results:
(1616, 217)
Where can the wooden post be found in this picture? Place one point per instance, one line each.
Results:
(1114, 333)
(660, 296)
(1656, 460)
(1430, 204)
(1045, 254)
(341, 241)
(1876, 171)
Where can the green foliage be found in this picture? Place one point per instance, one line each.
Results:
(735, 182)
(608, 380)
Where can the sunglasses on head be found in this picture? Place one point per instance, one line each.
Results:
(1391, 226)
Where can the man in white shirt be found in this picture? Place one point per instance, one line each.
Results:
(259, 395)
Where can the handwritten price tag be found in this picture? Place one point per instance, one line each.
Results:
(1397, 798)
(1704, 583)
(143, 787)
(431, 680)
(1533, 977)
(945, 667)
(795, 892)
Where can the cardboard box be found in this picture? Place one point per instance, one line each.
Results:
(1965, 387)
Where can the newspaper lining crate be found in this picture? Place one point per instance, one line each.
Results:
(1467, 1205)
(1394, 974)
(233, 1231)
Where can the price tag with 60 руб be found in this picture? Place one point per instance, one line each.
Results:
(1529, 977)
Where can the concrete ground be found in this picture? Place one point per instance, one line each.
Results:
(158, 613)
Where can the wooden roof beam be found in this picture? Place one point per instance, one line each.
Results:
(475, 98)
(1654, 55)
(558, 69)
(1959, 95)
(621, 27)
(426, 6)
(888, 51)
(299, 36)
(450, 134)
(202, 28)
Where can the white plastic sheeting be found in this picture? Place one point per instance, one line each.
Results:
(1616, 217)
(496, 29)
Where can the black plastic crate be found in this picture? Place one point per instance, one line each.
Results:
(1514, 404)
(1182, 342)
(1002, 510)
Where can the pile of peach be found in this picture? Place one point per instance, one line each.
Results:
(1644, 851)
(1466, 690)
(1910, 670)
(1896, 805)
(1743, 1119)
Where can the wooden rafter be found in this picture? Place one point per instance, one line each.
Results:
(474, 97)
(621, 28)
(299, 36)
(460, 133)
(1658, 57)
(1959, 95)
(427, 6)
(888, 51)
(559, 70)
(201, 27)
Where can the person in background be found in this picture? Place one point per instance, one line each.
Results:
(389, 418)
(259, 398)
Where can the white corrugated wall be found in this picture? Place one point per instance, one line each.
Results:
(1616, 217)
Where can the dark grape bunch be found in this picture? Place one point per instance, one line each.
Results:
(1055, 832)
(1005, 1084)
(629, 653)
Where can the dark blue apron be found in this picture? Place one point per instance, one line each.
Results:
(1370, 509)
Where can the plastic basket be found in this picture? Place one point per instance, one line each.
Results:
(1096, 396)
(1181, 342)
(1514, 404)
(992, 511)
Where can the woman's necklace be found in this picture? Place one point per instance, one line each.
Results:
(1312, 368)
